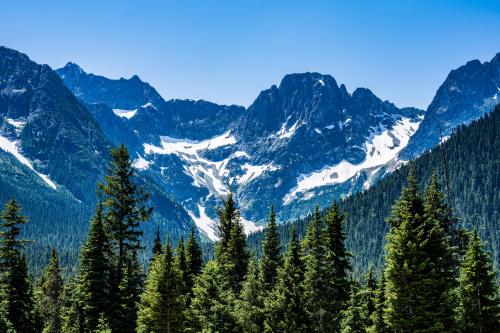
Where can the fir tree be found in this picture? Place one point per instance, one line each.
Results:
(161, 305)
(15, 286)
(194, 258)
(377, 317)
(102, 326)
(93, 282)
(338, 259)
(212, 305)
(318, 278)
(250, 306)
(51, 293)
(418, 289)
(354, 317)
(284, 306)
(181, 263)
(126, 208)
(479, 309)
(271, 259)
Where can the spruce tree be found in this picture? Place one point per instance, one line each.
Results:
(250, 305)
(271, 258)
(102, 326)
(126, 208)
(161, 305)
(418, 266)
(377, 317)
(479, 309)
(355, 316)
(318, 278)
(15, 286)
(181, 264)
(194, 257)
(93, 281)
(338, 260)
(285, 311)
(51, 293)
(212, 305)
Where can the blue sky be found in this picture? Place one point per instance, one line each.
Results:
(228, 51)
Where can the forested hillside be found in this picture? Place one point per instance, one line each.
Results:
(472, 157)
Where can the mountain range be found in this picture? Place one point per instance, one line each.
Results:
(304, 142)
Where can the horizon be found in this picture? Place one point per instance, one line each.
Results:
(187, 52)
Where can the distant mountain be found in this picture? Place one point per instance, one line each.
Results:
(468, 93)
(52, 154)
(306, 137)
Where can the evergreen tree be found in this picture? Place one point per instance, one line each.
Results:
(212, 305)
(15, 286)
(181, 263)
(194, 257)
(51, 293)
(271, 259)
(157, 244)
(161, 303)
(102, 326)
(377, 317)
(338, 259)
(231, 252)
(93, 282)
(417, 289)
(479, 309)
(250, 306)
(355, 316)
(126, 208)
(318, 278)
(284, 306)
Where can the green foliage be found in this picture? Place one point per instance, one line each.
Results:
(50, 298)
(249, 307)
(271, 258)
(479, 309)
(161, 305)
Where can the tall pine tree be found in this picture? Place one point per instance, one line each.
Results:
(51, 296)
(271, 258)
(479, 309)
(250, 306)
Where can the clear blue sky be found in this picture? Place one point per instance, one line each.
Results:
(228, 51)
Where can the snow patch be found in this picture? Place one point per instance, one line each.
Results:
(11, 147)
(204, 223)
(124, 113)
(382, 146)
(253, 171)
(285, 133)
(140, 163)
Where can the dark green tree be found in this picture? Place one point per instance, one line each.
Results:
(51, 296)
(337, 259)
(285, 311)
(161, 305)
(271, 258)
(212, 305)
(181, 263)
(157, 243)
(93, 281)
(479, 309)
(194, 256)
(16, 293)
(377, 317)
(250, 305)
(130, 289)
(355, 316)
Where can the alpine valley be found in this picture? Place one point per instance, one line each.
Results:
(302, 143)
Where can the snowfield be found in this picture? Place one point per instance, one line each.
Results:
(382, 146)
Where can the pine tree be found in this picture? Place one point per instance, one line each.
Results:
(479, 309)
(355, 316)
(51, 293)
(231, 251)
(338, 259)
(377, 317)
(161, 305)
(271, 258)
(284, 306)
(15, 286)
(418, 265)
(250, 306)
(212, 305)
(318, 278)
(126, 208)
(93, 281)
(181, 263)
(157, 244)
(194, 258)
(102, 326)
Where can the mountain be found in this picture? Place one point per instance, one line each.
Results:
(474, 178)
(468, 93)
(52, 154)
(305, 138)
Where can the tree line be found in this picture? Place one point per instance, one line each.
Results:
(435, 278)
